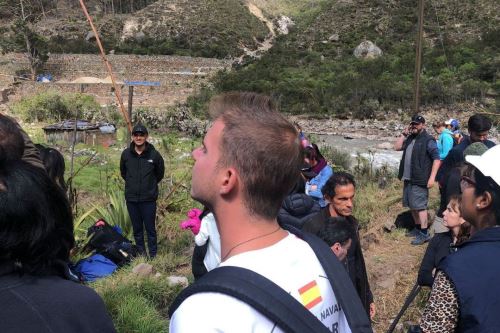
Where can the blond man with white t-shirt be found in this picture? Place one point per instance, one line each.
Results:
(248, 162)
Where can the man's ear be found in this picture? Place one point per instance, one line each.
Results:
(229, 181)
(336, 248)
(484, 201)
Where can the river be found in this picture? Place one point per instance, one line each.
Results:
(367, 148)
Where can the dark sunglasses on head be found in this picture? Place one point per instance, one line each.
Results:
(466, 182)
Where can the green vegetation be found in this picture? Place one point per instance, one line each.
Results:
(52, 106)
(307, 72)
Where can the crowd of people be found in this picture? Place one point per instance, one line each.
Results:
(273, 208)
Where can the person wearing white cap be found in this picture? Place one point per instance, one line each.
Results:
(464, 296)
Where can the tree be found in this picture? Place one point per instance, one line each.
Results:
(22, 36)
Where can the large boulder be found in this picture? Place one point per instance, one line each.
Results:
(367, 50)
(284, 24)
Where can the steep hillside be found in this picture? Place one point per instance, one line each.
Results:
(313, 69)
(206, 28)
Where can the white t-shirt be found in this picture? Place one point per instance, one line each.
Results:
(292, 265)
(208, 231)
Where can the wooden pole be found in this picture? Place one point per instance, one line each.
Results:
(130, 98)
(108, 65)
(418, 58)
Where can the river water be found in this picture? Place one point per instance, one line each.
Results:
(367, 148)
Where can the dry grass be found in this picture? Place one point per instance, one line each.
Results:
(392, 262)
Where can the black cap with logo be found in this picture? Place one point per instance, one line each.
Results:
(417, 119)
(139, 128)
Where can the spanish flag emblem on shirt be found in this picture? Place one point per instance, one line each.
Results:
(310, 294)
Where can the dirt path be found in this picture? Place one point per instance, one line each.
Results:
(268, 42)
(392, 264)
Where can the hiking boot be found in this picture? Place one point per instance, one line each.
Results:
(421, 239)
(412, 233)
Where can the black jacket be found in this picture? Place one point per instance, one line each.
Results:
(438, 248)
(355, 264)
(141, 173)
(421, 161)
(296, 209)
(33, 304)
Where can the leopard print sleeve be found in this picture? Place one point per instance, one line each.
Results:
(441, 312)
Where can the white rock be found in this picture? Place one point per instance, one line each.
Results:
(367, 50)
(175, 280)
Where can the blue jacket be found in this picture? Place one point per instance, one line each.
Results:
(474, 271)
(445, 143)
(320, 181)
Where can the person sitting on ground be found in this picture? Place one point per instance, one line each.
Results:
(464, 296)
(36, 236)
(444, 139)
(443, 244)
(339, 191)
(323, 171)
(338, 234)
(53, 162)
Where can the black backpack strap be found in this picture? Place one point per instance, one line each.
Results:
(342, 285)
(258, 292)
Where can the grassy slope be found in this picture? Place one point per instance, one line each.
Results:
(309, 73)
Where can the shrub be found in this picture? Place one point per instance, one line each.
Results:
(341, 160)
(52, 106)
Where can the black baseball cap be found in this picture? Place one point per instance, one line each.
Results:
(417, 119)
(139, 128)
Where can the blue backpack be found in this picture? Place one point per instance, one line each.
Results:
(94, 267)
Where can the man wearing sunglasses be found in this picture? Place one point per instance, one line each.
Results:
(418, 169)
(142, 168)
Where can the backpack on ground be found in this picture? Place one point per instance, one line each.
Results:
(109, 242)
(94, 267)
(276, 304)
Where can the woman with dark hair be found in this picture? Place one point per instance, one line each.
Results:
(444, 243)
(465, 292)
(36, 235)
(53, 162)
(323, 172)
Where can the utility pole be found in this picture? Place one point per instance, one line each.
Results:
(418, 58)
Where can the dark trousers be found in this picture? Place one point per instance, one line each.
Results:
(143, 216)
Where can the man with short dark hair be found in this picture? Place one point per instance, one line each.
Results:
(418, 169)
(478, 126)
(338, 235)
(142, 168)
(339, 192)
(248, 162)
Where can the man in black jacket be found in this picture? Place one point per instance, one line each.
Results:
(418, 168)
(339, 191)
(142, 168)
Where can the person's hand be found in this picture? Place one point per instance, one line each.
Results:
(313, 187)
(431, 183)
(372, 310)
(406, 131)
